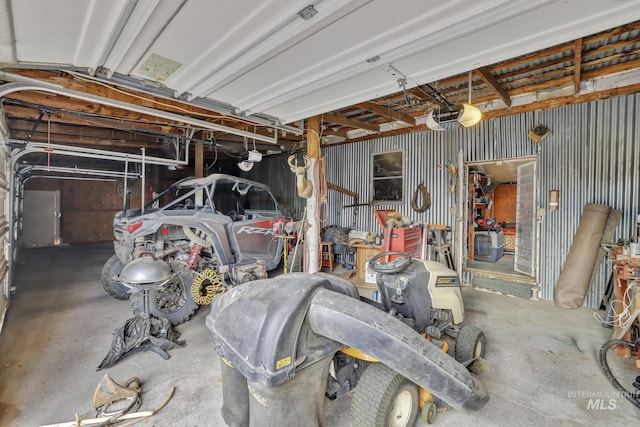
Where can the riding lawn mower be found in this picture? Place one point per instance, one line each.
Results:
(287, 342)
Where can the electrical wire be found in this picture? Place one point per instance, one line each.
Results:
(621, 319)
(215, 150)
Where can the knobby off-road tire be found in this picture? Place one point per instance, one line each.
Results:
(384, 398)
(173, 302)
(112, 268)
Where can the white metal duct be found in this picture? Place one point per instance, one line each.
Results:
(264, 56)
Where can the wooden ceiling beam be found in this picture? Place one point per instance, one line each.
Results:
(542, 105)
(62, 129)
(533, 70)
(343, 133)
(488, 78)
(59, 102)
(516, 86)
(565, 48)
(389, 113)
(577, 61)
(612, 33)
(341, 120)
(132, 97)
(28, 113)
(565, 100)
(617, 56)
(86, 141)
(610, 69)
(611, 47)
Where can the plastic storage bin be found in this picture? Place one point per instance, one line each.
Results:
(488, 245)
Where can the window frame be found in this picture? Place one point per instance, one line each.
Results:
(377, 177)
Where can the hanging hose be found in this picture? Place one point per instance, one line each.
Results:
(631, 396)
(426, 199)
(195, 239)
(205, 286)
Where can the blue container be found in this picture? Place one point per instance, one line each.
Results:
(375, 296)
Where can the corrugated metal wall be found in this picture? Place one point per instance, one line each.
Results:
(591, 156)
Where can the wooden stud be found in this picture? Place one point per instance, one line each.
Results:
(341, 120)
(488, 78)
(386, 112)
(313, 137)
(577, 64)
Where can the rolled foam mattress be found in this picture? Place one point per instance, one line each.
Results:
(574, 280)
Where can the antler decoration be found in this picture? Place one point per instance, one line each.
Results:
(305, 188)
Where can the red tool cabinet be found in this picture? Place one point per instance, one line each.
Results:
(403, 239)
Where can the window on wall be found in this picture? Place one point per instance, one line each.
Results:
(388, 176)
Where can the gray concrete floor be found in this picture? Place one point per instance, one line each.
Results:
(542, 360)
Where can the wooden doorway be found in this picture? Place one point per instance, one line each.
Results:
(501, 220)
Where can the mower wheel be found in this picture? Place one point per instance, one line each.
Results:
(470, 345)
(112, 268)
(384, 398)
(429, 412)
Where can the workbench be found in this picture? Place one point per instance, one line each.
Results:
(626, 270)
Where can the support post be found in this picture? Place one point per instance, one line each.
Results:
(312, 236)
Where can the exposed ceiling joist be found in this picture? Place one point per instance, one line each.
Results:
(577, 64)
(488, 78)
(345, 121)
(324, 68)
(386, 112)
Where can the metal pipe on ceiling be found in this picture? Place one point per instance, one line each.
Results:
(91, 153)
(70, 178)
(76, 171)
(21, 83)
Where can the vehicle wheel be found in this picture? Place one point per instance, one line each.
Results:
(429, 412)
(112, 268)
(173, 302)
(469, 345)
(384, 398)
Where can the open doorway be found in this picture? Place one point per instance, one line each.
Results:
(501, 218)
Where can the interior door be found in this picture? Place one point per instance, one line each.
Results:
(525, 250)
(41, 218)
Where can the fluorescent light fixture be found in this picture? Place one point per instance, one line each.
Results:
(461, 115)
